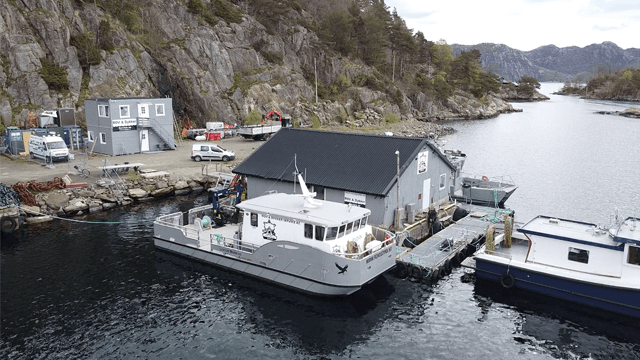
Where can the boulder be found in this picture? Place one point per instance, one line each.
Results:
(75, 207)
(181, 184)
(106, 197)
(161, 184)
(162, 192)
(57, 200)
(149, 188)
(137, 193)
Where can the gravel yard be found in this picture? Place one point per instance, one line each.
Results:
(176, 162)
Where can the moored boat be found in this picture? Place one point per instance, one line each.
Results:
(570, 260)
(485, 191)
(314, 246)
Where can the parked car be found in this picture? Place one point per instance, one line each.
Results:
(211, 152)
(48, 147)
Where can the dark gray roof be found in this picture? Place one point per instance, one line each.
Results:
(354, 162)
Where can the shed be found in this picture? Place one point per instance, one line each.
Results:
(359, 169)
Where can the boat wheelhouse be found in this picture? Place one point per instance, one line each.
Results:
(570, 260)
(314, 246)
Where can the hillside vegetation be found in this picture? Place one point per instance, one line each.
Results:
(621, 84)
(224, 59)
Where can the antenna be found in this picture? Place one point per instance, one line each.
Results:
(308, 196)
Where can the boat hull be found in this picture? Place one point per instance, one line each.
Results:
(624, 301)
(280, 263)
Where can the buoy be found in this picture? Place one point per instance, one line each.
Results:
(507, 281)
(485, 178)
(8, 224)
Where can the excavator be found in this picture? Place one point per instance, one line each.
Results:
(273, 115)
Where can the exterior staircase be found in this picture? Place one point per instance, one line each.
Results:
(162, 133)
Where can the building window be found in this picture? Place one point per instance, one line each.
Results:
(579, 255)
(103, 110)
(91, 138)
(634, 255)
(124, 111)
(159, 109)
(308, 231)
(103, 138)
(254, 219)
(319, 233)
(443, 181)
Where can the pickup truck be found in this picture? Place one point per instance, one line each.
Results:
(259, 132)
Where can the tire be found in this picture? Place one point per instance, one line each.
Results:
(401, 270)
(225, 158)
(47, 160)
(198, 158)
(31, 155)
(415, 271)
(85, 173)
(11, 222)
(507, 281)
(447, 266)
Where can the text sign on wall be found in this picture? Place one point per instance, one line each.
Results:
(355, 198)
(124, 124)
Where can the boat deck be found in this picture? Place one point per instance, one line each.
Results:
(468, 232)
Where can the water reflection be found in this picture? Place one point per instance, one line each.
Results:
(290, 320)
(560, 327)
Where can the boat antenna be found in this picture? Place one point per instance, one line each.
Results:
(295, 173)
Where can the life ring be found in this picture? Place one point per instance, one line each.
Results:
(484, 178)
(416, 271)
(12, 224)
(507, 281)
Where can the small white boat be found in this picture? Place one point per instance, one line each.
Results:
(570, 260)
(314, 246)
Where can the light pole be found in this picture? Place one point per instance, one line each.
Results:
(397, 190)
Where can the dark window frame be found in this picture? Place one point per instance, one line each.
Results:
(578, 255)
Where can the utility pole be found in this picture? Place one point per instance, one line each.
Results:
(397, 190)
(315, 69)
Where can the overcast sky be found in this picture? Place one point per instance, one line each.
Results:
(524, 24)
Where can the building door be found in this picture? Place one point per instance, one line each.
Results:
(426, 194)
(144, 140)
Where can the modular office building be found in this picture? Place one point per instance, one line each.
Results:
(129, 125)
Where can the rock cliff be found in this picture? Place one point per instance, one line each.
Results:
(220, 72)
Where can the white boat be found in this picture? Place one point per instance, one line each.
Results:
(314, 246)
(570, 260)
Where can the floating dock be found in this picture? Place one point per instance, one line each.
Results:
(434, 257)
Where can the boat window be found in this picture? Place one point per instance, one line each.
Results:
(254, 219)
(320, 233)
(356, 225)
(341, 234)
(634, 255)
(363, 222)
(332, 234)
(579, 255)
(349, 227)
(308, 231)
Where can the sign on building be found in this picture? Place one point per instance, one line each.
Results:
(423, 159)
(355, 199)
(124, 124)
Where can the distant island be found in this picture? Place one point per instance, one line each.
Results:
(621, 84)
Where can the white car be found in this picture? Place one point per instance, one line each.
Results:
(211, 152)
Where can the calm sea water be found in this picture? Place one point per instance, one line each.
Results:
(101, 290)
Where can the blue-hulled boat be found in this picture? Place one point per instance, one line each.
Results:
(570, 260)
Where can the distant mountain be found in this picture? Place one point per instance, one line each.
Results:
(551, 63)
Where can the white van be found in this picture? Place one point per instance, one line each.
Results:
(211, 152)
(48, 147)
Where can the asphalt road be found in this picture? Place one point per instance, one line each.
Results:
(176, 162)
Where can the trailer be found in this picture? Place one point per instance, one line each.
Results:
(259, 132)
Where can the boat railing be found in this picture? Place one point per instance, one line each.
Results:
(224, 244)
(172, 220)
(501, 181)
(388, 238)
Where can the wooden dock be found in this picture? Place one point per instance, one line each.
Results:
(438, 254)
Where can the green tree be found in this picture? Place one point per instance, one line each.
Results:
(55, 76)
(337, 29)
(88, 53)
